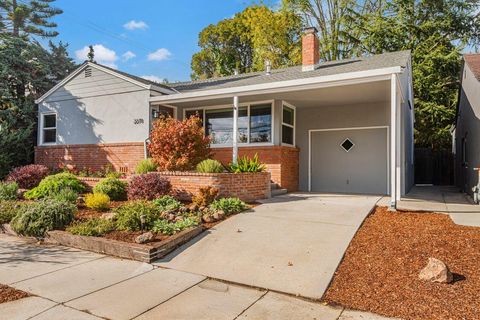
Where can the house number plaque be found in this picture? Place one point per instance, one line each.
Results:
(137, 121)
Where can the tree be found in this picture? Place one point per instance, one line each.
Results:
(91, 54)
(60, 64)
(436, 31)
(246, 41)
(178, 145)
(28, 17)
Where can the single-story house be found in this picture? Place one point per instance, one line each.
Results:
(466, 133)
(340, 126)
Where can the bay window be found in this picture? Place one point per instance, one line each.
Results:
(254, 123)
(288, 125)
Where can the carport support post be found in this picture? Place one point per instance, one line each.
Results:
(235, 130)
(393, 142)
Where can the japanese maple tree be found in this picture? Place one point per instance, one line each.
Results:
(178, 145)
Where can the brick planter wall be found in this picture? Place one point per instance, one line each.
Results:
(281, 162)
(122, 157)
(246, 186)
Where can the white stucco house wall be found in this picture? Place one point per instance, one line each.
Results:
(341, 126)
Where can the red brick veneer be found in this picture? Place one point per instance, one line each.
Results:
(281, 162)
(246, 186)
(121, 156)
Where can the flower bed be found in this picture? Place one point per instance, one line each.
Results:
(245, 186)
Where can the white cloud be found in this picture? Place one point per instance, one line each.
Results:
(159, 55)
(135, 25)
(153, 78)
(103, 55)
(128, 55)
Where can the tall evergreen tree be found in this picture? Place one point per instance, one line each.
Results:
(28, 17)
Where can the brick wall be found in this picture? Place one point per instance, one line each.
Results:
(246, 186)
(122, 156)
(281, 162)
(91, 182)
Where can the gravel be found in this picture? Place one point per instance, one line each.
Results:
(379, 272)
(8, 294)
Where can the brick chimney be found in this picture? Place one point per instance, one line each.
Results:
(310, 53)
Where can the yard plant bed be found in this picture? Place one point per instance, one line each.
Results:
(126, 248)
(379, 272)
(8, 294)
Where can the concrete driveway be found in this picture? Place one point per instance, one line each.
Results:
(291, 244)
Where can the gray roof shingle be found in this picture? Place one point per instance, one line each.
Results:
(385, 60)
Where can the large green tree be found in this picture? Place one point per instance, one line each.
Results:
(246, 41)
(28, 17)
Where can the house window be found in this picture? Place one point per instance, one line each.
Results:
(254, 123)
(49, 128)
(288, 125)
(261, 123)
(219, 125)
(159, 111)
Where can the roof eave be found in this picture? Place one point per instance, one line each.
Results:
(280, 86)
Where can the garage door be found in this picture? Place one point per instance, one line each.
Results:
(349, 161)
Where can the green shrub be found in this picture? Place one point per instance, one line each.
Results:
(229, 205)
(246, 164)
(95, 227)
(54, 184)
(39, 217)
(167, 203)
(97, 201)
(128, 216)
(145, 166)
(205, 196)
(8, 190)
(169, 228)
(115, 188)
(9, 209)
(210, 166)
(66, 194)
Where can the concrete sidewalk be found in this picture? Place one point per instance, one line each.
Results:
(69, 284)
(441, 199)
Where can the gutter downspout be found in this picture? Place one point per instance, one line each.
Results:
(145, 147)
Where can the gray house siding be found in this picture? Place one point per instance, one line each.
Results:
(468, 128)
(101, 108)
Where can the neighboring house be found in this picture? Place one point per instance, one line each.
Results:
(467, 127)
(322, 127)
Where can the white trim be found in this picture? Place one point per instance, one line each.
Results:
(284, 86)
(393, 141)
(42, 122)
(240, 105)
(342, 129)
(291, 106)
(347, 139)
(106, 70)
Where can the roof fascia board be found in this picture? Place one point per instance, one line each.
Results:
(283, 86)
(106, 70)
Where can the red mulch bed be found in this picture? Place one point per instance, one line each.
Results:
(380, 269)
(8, 294)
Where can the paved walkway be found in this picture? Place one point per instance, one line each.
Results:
(442, 199)
(291, 244)
(70, 284)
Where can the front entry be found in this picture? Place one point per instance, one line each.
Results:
(349, 160)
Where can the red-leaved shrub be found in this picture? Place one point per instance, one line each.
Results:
(178, 145)
(29, 176)
(148, 186)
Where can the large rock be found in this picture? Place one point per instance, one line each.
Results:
(436, 271)
(144, 237)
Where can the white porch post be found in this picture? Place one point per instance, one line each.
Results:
(393, 141)
(235, 130)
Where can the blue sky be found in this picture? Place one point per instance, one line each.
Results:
(143, 37)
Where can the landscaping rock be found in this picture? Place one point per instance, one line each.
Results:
(179, 218)
(183, 209)
(202, 208)
(144, 237)
(20, 193)
(108, 215)
(207, 218)
(219, 215)
(193, 207)
(171, 217)
(436, 271)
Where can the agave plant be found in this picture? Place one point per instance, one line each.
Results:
(247, 164)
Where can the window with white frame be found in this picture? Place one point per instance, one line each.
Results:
(254, 123)
(288, 125)
(49, 128)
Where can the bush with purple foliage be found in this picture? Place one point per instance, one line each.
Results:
(28, 177)
(148, 186)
